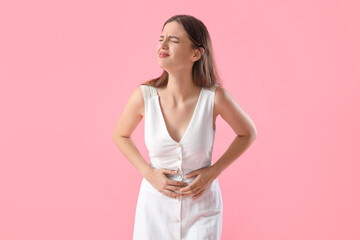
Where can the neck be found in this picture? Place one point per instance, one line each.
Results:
(181, 87)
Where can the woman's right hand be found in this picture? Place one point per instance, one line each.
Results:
(158, 179)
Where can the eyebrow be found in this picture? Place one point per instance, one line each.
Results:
(171, 37)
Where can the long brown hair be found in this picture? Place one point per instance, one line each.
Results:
(204, 71)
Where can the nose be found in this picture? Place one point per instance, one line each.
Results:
(163, 43)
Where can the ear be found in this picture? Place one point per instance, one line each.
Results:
(198, 53)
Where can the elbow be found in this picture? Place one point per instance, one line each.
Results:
(254, 132)
(251, 134)
(115, 136)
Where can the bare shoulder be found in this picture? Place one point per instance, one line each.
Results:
(220, 95)
(135, 102)
(223, 98)
(138, 100)
(131, 115)
(229, 109)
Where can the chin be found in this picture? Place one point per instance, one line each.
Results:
(162, 66)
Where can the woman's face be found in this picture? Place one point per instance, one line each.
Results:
(175, 42)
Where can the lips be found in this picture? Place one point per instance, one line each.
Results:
(163, 54)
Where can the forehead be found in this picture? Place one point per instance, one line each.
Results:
(174, 29)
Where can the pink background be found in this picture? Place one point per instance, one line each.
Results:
(67, 69)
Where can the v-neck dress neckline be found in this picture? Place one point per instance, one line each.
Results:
(191, 120)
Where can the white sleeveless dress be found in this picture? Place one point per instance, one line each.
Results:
(159, 217)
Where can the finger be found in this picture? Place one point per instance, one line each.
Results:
(197, 195)
(192, 192)
(176, 183)
(189, 187)
(173, 188)
(170, 194)
(192, 174)
(169, 171)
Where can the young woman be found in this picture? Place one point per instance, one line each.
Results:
(180, 195)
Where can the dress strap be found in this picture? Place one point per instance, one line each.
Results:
(148, 91)
(213, 88)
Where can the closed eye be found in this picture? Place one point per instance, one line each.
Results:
(171, 41)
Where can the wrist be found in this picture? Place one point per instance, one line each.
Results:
(146, 172)
(216, 169)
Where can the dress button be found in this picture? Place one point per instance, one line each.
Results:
(178, 145)
(177, 220)
(179, 158)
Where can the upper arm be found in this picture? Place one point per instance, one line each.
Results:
(232, 113)
(131, 115)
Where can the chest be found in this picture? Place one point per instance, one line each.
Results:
(177, 117)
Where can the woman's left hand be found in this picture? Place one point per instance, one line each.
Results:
(204, 177)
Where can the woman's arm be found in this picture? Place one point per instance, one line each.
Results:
(239, 121)
(129, 119)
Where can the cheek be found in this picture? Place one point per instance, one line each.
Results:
(180, 53)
